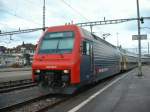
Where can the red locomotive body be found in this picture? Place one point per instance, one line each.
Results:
(57, 58)
(68, 57)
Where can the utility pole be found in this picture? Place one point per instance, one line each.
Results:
(43, 15)
(139, 40)
(91, 28)
(148, 48)
(117, 40)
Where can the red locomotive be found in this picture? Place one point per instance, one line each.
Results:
(68, 57)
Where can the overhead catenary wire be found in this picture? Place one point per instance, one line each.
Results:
(5, 26)
(93, 23)
(79, 13)
(75, 10)
(21, 31)
(48, 9)
(19, 17)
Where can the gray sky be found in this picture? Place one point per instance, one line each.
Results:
(25, 14)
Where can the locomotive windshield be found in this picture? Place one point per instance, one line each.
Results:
(57, 42)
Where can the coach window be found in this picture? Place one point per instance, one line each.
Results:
(86, 48)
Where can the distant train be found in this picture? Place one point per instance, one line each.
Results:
(69, 57)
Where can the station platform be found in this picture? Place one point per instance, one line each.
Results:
(128, 94)
(13, 74)
(8, 69)
(124, 93)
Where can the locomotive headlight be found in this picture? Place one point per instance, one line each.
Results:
(66, 71)
(37, 71)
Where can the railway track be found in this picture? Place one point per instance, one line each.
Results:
(42, 102)
(37, 104)
(51, 101)
(16, 85)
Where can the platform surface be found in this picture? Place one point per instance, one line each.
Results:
(130, 94)
(9, 69)
(124, 93)
(13, 74)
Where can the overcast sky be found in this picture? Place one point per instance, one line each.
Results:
(26, 14)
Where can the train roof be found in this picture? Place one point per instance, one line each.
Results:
(92, 36)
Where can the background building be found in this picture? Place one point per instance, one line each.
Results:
(21, 55)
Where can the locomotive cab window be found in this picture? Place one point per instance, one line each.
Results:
(86, 48)
(57, 42)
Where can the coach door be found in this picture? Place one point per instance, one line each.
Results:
(87, 60)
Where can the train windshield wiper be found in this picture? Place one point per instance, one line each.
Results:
(57, 49)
